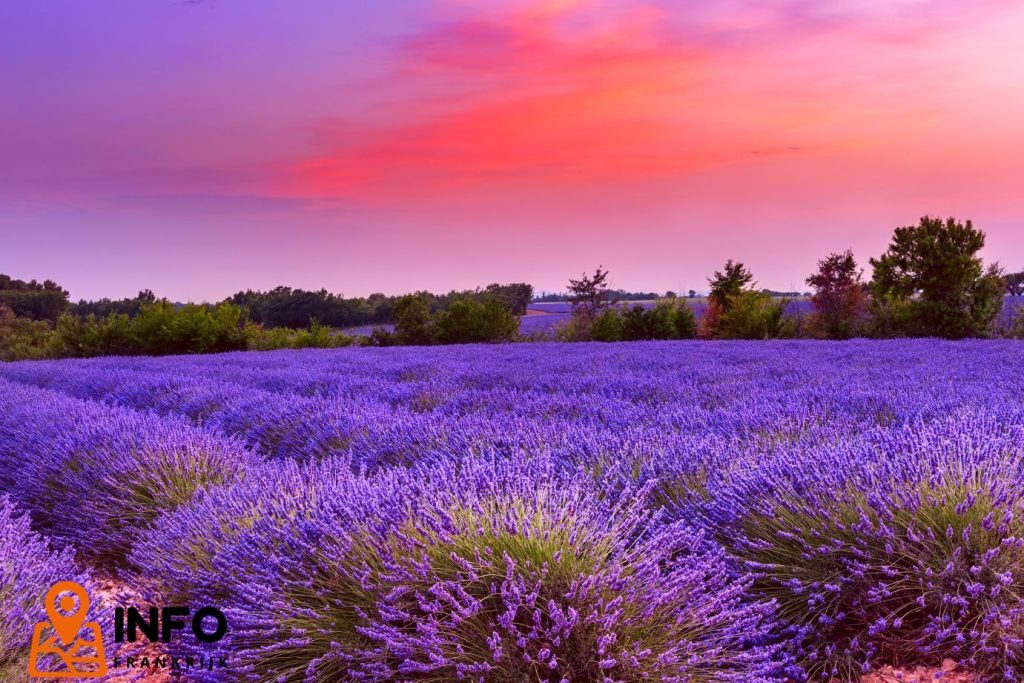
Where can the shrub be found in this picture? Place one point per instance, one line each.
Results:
(685, 321)
(752, 315)
(28, 568)
(607, 327)
(380, 337)
(22, 338)
(657, 322)
(667, 319)
(316, 336)
(91, 336)
(468, 321)
(161, 329)
(158, 329)
(578, 328)
(502, 571)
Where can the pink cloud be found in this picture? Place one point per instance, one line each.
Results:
(578, 91)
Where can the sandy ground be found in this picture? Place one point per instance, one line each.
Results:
(114, 593)
(949, 672)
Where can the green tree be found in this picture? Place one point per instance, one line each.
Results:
(160, 328)
(591, 294)
(657, 322)
(728, 283)
(634, 323)
(468, 321)
(516, 295)
(840, 297)
(414, 324)
(753, 315)
(685, 321)
(607, 327)
(933, 279)
(104, 307)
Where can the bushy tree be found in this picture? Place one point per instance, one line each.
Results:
(469, 321)
(728, 283)
(657, 322)
(104, 307)
(591, 294)
(607, 327)
(684, 321)
(163, 328)
(667, 319)
(295, 308)
(840, 297)
(753, 315)
(413, 323)
(516, 296)
(931, 281)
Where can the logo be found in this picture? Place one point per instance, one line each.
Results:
(67, 646)
(67, 637)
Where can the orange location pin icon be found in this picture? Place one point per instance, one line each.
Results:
(68, 620)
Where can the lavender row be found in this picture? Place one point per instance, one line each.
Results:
(96, 476)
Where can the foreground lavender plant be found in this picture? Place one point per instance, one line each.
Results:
(914, 558)
(495, 571)
(28, 568)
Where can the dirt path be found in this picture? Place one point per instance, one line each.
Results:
(114, 592)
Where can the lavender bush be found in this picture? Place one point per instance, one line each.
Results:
(912, 553)
(491, 571)
(28, 568)
(97, 476)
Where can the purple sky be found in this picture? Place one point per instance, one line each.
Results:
(198, 148)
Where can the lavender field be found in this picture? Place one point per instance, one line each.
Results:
(659, 511)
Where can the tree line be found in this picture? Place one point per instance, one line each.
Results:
(929, 282)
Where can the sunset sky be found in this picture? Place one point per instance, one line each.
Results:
(199, 147)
